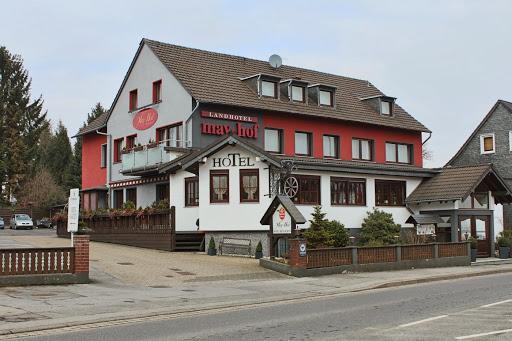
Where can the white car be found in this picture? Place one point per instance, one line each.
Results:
(21, 221)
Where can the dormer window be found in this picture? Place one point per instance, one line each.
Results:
(321, 95)
(298, 93)
(326, 98)
(385, 107)
(268, 89)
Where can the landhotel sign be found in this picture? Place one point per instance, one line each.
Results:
(223, 129)
(281, 221)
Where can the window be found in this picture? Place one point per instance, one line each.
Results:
(345, 191)
(385, 108)
(131, 195)
(103, 161)
(162, 192)
(133, 100)
(309, 190)
(118, 149)
(326, 98)
(298, 93)
(219, 186)
(303, 143)
(331, 146)
(249, 185)
(362, 149)
(118, 198)
(487, 144)
(268, 89)
(398, 152)
(156, 91)
(192, 191)
(171, 135)
(389, 193)
(273, 140)
(130, 141)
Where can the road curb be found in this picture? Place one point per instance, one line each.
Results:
(145, 315)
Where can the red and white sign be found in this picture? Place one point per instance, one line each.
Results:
(281, 221)
(230, 117)
(145, 119)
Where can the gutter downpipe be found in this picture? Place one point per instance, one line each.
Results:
(189, 117)
(428, 138)
(109, 162)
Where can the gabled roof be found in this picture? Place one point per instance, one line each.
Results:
(98, 123)
(420, 219)
(187, 161)
(216, 78)
(288, 205)
(457, 183)
(507, 105)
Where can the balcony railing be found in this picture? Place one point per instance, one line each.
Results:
(147, 157)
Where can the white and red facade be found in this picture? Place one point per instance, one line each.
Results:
(155, 120)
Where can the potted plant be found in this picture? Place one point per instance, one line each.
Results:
(152, 143)
(212, 251)
(504, 246)
(473, 245)
(138, 147)
(259, 251)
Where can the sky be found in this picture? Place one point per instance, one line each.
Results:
(447, 62)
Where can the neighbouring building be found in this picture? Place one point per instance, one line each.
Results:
(214, 135)
(491, 142)
(94, 164)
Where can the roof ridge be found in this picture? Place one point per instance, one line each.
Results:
(487, 164)
(258, 60)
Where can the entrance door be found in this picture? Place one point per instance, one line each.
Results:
(477, 227)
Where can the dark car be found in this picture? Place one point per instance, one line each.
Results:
(44, 223)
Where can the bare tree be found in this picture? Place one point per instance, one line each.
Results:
(41, 191)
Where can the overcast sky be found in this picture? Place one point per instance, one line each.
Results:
(447, 62)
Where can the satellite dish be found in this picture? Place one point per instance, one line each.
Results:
(275, 61)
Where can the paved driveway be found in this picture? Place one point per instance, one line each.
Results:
(153, 268)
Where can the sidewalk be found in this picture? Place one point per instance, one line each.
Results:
(109, 299)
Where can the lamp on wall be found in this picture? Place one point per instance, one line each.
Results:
(204, 159)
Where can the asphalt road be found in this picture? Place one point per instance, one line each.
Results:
(432, 311)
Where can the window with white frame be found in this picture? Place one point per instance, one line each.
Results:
(273, 140)
(510, 140)
(268, 89)
(331, 146)
(487, 144)
(326, 98)
(385, 108)
(298, 93)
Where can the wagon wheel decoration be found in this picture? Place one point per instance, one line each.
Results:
(291, 186)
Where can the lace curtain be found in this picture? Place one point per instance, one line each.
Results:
(250, 186)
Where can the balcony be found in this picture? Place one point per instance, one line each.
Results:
(144, 160)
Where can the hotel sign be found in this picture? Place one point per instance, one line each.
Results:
(222, 129)
(145, 119)
(281, 221)
(229, 117)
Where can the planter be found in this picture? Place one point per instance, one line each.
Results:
(258, 254)
(473, 254)
(138, 148)
(504, 252)
(212, 252)
(152, 145)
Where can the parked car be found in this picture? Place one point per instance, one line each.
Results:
(44, 223)
(2, 224)
(21, 221)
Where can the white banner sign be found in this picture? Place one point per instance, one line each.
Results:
(281, 221)
(73, 209)
(422, 230)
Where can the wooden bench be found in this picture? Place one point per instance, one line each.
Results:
(235, 244)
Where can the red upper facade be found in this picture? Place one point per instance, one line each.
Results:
(94, 172)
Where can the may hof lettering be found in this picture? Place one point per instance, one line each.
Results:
(232, 160)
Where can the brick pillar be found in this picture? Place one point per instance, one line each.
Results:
(295, 259)
(81, 245)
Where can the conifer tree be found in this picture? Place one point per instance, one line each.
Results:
(21, 122)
